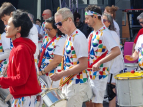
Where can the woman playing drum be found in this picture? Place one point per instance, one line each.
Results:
(21, 73)
(53, 44)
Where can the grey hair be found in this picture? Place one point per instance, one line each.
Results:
(31, 16)
(140, 16)
(110, 19)
(65, 13)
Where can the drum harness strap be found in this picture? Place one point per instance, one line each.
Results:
(102, 56)
(67, 79)
(44, 49)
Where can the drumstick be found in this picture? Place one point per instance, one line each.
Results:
(51, 85)
(8, 97)
(48, 88)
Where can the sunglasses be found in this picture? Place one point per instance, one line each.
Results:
(44, 14)
(141, 22)
(104, 20)
(60, 23)
(48, 29)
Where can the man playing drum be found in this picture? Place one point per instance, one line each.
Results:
(75, 60)
(138, 53)
(100, 42)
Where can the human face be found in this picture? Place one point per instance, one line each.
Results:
(105, 21)
(50, 30)
(45, 15)
(89, 20)
(77, 21)
(5, 19)
(10, 29)
(62, 24)
(38, 23)
(141, 22)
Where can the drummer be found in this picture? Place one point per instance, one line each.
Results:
(4, 48)
(21, 73)
(50, 61)
(74, 82)
(138, 53)
(100, 42)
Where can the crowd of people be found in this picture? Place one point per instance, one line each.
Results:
(79, 58)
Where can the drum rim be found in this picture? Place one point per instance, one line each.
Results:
(48, 90)
(57, 102)
(128, 78)
(131, 64)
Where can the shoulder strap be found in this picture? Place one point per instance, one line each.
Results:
(42, 54)
(102, 56)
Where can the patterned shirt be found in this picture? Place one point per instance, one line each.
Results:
(101, 42)
(4, 62)
(75, 48)
(139, 49)
(56, 47)
(42, 31)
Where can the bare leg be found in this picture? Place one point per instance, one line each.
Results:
(112, 103)
(98, 105)
(89, 104)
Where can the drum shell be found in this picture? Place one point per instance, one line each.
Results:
(54, 98)
(4, 93)
(130, 66)
(129, 92)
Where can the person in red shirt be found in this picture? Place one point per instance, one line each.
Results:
(21, 73)
(140, 18)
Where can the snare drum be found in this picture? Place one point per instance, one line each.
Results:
(129, 89)
(54, 98)
(130, 66)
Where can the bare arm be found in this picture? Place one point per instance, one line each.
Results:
(114, 53)
(83, 62)
(53, 64)
(132, 57)
(133, 49)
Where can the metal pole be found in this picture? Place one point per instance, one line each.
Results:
(77, 6)
(70, 4)
(87, 1)
(60, 3)
(38, 9)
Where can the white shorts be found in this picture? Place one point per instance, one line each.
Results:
(98, 87)
(75, 94)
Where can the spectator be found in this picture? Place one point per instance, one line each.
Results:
(38, 22)
(35, 26)
(21, 70)
(46, 14)
(83, 27)
(112, 11)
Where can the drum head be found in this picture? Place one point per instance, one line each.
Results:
(128, 75)
(131, 64)
(60, 104)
